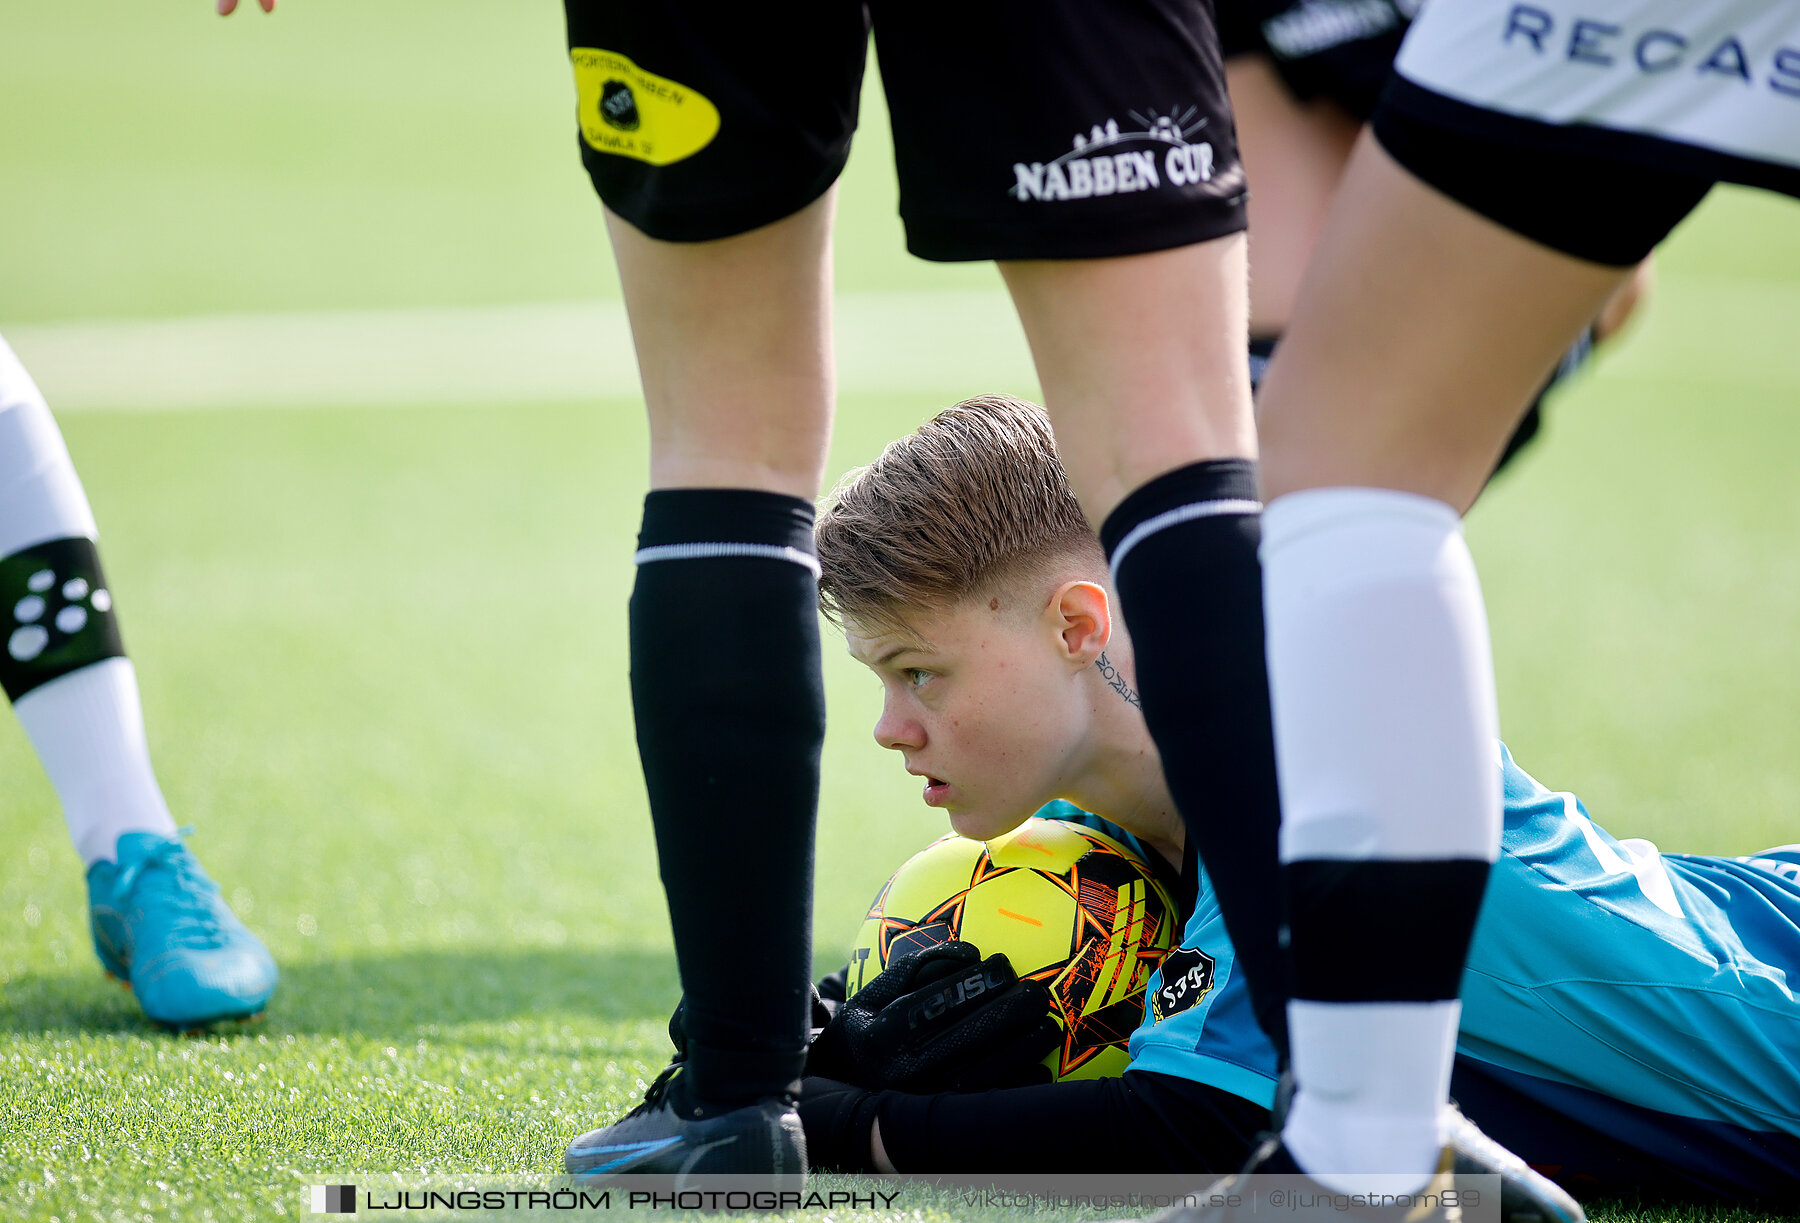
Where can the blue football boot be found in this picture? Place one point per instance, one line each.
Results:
(669, 1135)
(160, 924)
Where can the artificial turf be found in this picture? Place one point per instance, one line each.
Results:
(382, 650)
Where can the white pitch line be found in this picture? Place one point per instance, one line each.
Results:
(957, 342)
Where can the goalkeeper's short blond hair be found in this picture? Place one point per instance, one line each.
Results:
(975, 502)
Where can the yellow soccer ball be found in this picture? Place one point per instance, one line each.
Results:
(1068, 905)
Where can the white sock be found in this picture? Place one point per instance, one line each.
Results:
(41, 497)
(88, 729)
(87, 725)
(1381, 685)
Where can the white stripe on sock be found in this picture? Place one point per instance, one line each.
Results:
(695, 552)
(1174, 518)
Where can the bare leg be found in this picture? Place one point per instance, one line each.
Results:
(1144, 370)
(1294, 152)
(1142, 361)
(1425, 329)
(1626, 300)
(734, 344)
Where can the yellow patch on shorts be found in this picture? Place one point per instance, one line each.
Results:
(633, 113)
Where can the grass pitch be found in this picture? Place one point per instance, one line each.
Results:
(382, 650)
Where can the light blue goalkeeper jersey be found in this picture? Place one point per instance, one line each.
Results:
(1601, 972)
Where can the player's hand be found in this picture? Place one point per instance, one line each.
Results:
(940, 1019)
(228, 7)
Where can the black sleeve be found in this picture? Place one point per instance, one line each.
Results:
(1140, 1122)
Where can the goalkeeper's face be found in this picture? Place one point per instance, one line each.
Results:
(990, 705)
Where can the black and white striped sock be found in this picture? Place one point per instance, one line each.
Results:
(61, 659)
(1386, 731)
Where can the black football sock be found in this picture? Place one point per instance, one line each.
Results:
(1183, 552)
(730, 705)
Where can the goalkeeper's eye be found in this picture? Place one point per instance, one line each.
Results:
(915, 678)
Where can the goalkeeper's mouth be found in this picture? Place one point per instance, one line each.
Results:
(936, 788)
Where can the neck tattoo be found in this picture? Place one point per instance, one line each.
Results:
(1115, 679)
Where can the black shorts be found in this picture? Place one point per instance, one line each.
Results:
(1045, 130)
(1609, 210)
(1337, 49)
(1594, 126)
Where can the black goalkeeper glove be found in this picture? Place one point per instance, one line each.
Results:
(940, 1019)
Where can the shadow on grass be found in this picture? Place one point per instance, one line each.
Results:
(383, 995)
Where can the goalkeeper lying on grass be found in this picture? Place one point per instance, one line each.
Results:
(1630, 1019)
